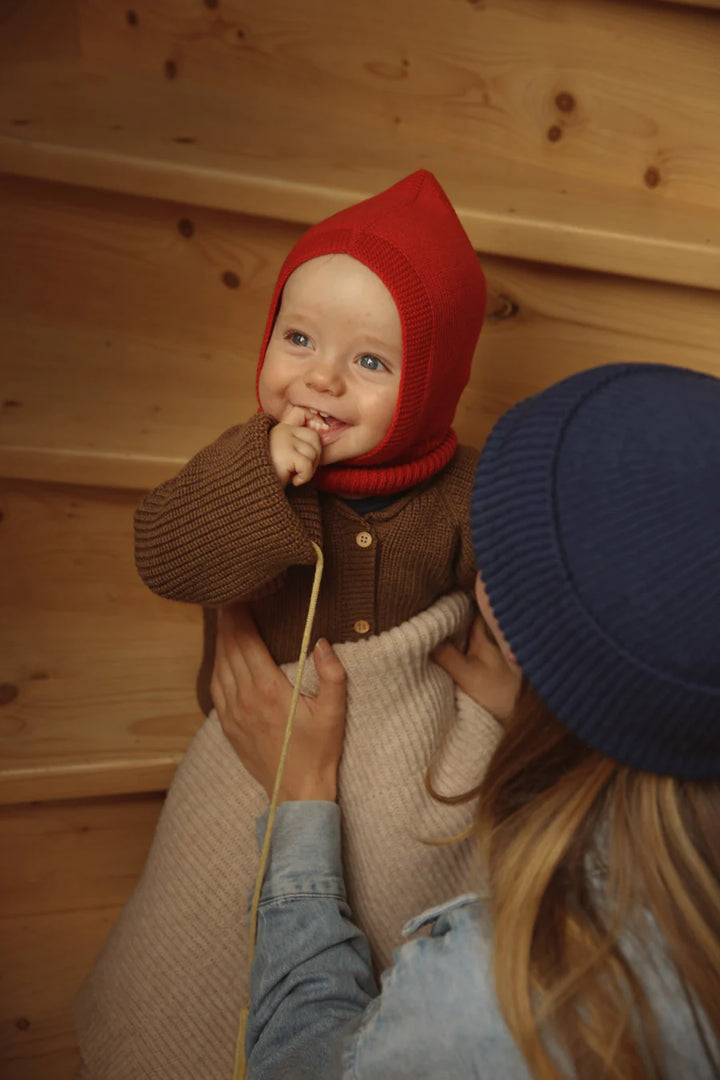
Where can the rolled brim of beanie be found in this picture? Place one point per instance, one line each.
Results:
(616, 701)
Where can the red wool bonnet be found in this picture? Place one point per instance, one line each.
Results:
(411, 237)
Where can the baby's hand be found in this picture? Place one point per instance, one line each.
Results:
(294, 449)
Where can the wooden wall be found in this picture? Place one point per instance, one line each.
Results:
(157, 159)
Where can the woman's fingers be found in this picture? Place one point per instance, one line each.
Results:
(331, 695)
(456, 663)
(244, 642)
(329, 666)
(482, 672)
(222, 681)
(252, 696)
(248, 664)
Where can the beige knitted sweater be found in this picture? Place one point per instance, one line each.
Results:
(163, 1000)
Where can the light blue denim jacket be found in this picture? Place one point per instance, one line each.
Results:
(316, 1012)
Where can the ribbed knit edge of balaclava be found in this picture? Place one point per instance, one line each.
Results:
(596, 526)
(412, 239)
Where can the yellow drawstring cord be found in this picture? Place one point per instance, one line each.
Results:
(240, 1071)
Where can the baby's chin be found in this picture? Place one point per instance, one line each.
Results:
(332, 455)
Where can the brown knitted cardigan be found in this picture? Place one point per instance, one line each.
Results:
(224, 529)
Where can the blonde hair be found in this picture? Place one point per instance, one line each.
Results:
(578, 850)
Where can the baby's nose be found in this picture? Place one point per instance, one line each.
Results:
(324, 376)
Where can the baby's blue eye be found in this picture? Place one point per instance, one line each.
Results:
(300, 339)
(371, 363)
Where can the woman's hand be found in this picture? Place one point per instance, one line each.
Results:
(483, 672)
(252, 698)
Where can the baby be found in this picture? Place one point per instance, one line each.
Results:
(367, 349)
(368, 346)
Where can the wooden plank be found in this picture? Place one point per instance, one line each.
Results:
(167, 271)
(125, 318)
(96, 673)
(122, 416)
(124, 351)
(38, 30)
(547, 123)
(714, 5)
(546, 323)
(67, 869)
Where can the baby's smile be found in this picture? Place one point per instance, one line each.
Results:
(327, 426)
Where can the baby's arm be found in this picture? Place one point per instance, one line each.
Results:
(223, 528)
(457, 486)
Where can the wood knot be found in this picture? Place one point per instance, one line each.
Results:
(170, 69)
(185, 227)
(652, 176)
(503, 308)
(554, 133)
(231, 279)
(565, 101)
(8, 693)
(22, 1024)
(131, 18)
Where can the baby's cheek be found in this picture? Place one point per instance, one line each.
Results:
(270, 403)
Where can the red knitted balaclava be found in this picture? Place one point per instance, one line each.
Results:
(411, 237)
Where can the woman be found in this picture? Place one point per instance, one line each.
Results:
(596, 527)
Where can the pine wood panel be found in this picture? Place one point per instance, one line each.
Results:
(586, 133)
(38, 30)
(125, 351)
(96, 674)
(546, 323)
(712, 4)
(477, 76)
(131, 329)
(67, 869)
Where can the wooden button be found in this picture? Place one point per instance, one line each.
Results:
(362, 626)
(363, 539)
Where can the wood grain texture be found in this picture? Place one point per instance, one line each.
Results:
(125, 351)
(713, 5)
(67, 869)
(586, 133)
(38, 31)
(96, 674)
(124, 319)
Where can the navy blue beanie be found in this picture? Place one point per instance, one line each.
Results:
(596, 527)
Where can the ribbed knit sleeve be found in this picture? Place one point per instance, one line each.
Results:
(223, 528)
(456, 494)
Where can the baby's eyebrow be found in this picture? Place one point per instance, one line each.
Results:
(292, 316)
(377, 343)
(381, 345)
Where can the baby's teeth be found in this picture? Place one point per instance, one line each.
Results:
(317, 424)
